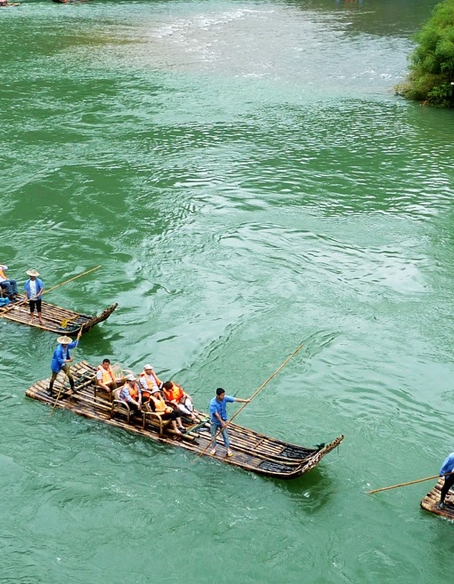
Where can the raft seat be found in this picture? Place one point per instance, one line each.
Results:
(97, 390)
(119, 406)
(102, 393)
(155, 420)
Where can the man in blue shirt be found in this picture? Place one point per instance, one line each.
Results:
(61, 360)
(33, 293)
(218, 417)
(447, 467)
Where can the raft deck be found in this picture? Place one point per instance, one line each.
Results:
(431, 500)
(56, 319)
(251, 450)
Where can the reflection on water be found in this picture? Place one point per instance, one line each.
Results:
(381, 17)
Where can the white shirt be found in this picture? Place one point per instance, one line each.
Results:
(33, 288)
(146, 379)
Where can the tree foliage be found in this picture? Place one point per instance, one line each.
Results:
(431, 76)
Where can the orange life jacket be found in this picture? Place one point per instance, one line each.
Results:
(3, 276)
(150, 383)
(174, 394)
(107, 375)
(160, 406)
(133, 392)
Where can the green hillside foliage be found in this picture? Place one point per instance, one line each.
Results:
(431, 76)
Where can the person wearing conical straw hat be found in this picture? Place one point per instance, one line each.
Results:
(33, 293)
(61, 360)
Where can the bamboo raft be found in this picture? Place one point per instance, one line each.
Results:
(56, 319)
(431, 500)
(251, 450)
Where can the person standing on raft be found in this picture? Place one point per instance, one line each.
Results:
(218, 418)
(447, 467)
(61, 361)
(33, 293)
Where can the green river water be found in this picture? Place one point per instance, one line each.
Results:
(247, 178)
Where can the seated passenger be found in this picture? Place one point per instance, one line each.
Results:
(187, 407)
(149, 380)
(180, 400)
(106, 378)
(10, 286)
(131, 394)
(157, 404)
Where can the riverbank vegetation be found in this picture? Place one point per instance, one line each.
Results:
(431, 75)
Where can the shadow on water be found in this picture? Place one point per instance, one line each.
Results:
(98, 341)
(311, 491)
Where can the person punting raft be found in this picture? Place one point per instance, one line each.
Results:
(61, 361)
(446, 471)
(51, 318)
(218, 418)
(440, 499)
(34, 288)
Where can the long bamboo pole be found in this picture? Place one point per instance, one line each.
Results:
(408, 483)
(253, 396)
(73, 278)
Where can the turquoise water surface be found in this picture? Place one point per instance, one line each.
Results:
(248, 180)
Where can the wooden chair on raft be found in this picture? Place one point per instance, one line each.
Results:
(154, 419)
(121, 408)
